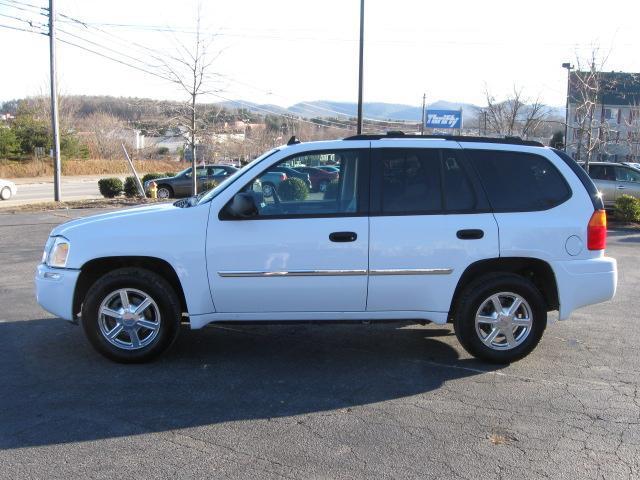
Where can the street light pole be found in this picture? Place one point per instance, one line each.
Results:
(424, 100)
(359, 128)
(54, 103)
(569, 67)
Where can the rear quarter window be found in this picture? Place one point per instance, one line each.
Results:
(518, 181)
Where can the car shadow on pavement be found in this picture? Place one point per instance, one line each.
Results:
(56, 389)
(625, 235)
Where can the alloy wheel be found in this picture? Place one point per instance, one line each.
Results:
(129, 319)
(503, 321)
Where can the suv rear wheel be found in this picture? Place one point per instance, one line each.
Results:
(500, 317)
(131, 315)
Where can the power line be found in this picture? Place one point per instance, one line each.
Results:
(41, 10)
(25, 4)
(86, 25)
(22, 29)
(209, 93)
(320, 122)
(29, 22)
(107, 48)
(117, 60)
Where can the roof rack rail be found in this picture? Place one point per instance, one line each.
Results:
(456, 138)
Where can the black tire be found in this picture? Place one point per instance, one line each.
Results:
(154, 286)
(476, 294)
(168, 188)
(5, 193)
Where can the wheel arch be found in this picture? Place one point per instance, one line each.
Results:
(537, 271)
(96, 268)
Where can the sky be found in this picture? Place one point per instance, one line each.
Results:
(285, 51)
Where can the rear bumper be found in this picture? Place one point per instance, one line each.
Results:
(585, 282)
(55, 288)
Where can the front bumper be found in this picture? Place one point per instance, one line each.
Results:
(585, 282)
(55, 288)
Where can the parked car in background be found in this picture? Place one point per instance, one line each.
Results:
(8, 189)
(270, 181)
(487, 234)
(293, 173)
(319, 178)
(329, 168)
(635, 165)
(181, 184)
(614, 180)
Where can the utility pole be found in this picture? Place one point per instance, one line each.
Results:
(424, 100)
(194, 162)
(359, 129)
(569, 67)
(54, 104)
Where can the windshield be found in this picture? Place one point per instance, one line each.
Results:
(183, 172)
(211, 194)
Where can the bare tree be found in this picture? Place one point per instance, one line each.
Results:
(514, 116)
(107, 133)
(585, 86)
(188, 67)
(632, 124)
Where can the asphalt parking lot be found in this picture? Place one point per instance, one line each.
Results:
(328, 401)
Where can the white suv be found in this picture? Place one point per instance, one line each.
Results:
(487, 234)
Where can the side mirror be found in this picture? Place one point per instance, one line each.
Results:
(242, 205)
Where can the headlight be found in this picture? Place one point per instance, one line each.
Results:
(57, 255)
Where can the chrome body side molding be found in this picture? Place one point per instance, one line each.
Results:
(335, 273)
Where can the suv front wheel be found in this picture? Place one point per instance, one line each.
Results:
(500, 317)
(131, 315)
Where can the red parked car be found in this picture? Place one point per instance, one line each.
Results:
(319, 178)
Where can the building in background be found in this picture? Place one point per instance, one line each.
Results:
(612, 103)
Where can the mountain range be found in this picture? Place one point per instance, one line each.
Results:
(373, 110)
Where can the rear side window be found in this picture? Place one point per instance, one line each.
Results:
(516, 181)
(458, 193)
(422, 181)
(411, 181)
(596, 198)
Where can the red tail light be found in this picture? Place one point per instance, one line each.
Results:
(597, 231)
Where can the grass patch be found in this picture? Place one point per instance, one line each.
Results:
(39, 168)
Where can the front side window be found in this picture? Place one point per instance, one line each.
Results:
(518, 181)
(285, 190)
(627, 175)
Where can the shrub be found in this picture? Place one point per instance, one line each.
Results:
(627, 209)
(152, 176)
(162, 150)
(130, 187)
(331, 193)
(293, 189)
(110, 187)
(209, 184)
